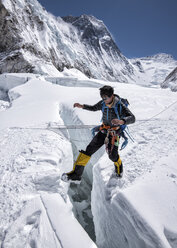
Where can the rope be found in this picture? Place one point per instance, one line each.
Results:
(58, 127)
(159, 112)
(49, 127)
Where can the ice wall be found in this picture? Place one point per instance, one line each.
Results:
(139, 215)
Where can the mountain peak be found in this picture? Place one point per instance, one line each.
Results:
(160, 57)
(89, 18)
(93, 31)
(84, 21)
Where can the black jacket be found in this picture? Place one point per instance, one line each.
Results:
(109, 114)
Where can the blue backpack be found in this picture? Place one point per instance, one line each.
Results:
(123, 127)
(122, 100)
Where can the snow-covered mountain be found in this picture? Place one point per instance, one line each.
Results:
(171, 81)
(32, 40)
(154, 69)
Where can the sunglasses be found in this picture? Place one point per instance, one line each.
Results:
(105, 97)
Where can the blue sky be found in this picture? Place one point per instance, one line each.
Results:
(139, 27)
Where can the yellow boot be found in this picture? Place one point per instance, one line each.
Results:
(119, 167)
(78, 168)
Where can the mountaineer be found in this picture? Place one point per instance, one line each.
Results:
(116, 116)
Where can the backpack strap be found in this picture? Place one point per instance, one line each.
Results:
(117, 113)
(116, 109)
(103, 107)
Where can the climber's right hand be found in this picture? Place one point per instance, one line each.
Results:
(77, 105)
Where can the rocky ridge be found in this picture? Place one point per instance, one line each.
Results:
(171, 81)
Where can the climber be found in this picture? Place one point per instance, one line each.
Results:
(109, 132)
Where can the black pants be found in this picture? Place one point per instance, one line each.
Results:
(97, 142)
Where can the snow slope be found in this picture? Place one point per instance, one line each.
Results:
(137, 211)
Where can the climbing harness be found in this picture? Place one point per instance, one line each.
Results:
(111, 137)
(122, 128)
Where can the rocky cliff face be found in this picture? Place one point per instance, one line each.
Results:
(32, 40)
(171, 81)
(12, 44)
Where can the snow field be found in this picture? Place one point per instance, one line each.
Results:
(138, 211)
